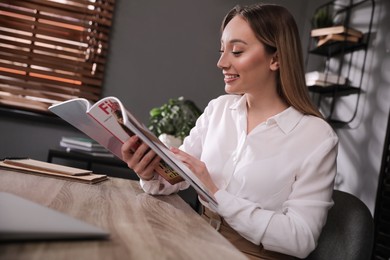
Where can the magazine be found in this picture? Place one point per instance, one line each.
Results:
(110, 124)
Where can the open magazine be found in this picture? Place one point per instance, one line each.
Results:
(110, 124)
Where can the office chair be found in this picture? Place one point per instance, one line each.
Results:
(381, 248)
(349, 231)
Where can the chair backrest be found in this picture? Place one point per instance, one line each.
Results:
(381, 248)
(349, 231)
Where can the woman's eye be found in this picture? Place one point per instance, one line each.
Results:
(237, 53)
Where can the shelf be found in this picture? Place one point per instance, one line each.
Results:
(338, 58)
(338, 90)
(338, 47)
(337, 123)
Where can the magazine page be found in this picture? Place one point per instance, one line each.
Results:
(107, 112)
(75, 112)
(111, 114)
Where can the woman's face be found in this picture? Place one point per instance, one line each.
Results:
(246, 66)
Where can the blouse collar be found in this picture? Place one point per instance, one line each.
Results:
(286, 120)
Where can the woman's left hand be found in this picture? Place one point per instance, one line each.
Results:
(197, 167)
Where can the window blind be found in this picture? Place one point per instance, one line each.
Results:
(52, 50)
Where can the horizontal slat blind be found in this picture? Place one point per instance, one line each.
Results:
(52, 50)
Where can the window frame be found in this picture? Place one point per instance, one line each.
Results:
(52, 51)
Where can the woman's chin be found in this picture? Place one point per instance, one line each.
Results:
(231, 90)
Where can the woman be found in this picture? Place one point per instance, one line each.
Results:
(263, 150)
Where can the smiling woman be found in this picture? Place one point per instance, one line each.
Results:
(51, 51)
(263, 150)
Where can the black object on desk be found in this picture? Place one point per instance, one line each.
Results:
(23, 220)
(91, 161)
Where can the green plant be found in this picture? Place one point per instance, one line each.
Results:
(323, 17)
(177, 117)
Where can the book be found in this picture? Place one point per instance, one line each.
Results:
(323, 79)
(336, 30)
(96, 154)
(53, 170)
(336, 37)
(318, 83)
(81, 141)
(83, 148)
(110, 124)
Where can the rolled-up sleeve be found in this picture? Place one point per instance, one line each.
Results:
(159, 186)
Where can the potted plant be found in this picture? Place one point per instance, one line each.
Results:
(323, 17)
(173, 121)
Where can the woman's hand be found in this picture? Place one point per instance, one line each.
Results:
(140, 158)
(197, 167)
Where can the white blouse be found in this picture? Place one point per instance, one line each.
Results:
(275, 183)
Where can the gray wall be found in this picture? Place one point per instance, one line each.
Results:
(361, 146)
(159, 50)
(164, 49)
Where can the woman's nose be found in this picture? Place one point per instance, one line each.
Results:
(223, 61)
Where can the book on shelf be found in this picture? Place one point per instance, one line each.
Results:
(91, 153)
(81, 141)
(83, 148)
(336, 30)
(336, 37)
(319, 83)
(323, 79)
(54, 170)
(110, 124)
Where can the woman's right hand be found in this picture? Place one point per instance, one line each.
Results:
(140, 158)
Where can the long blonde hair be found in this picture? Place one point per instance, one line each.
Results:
(275, 27)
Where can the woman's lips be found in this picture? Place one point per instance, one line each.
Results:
(230, 77)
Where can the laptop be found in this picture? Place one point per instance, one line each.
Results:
(21, 219)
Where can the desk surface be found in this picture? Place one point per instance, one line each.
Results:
(141, 226)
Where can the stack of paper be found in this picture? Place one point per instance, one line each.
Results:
(316, 78)
(54, 170)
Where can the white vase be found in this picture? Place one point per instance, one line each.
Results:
(170, 140)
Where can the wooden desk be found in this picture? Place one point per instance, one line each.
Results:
(141, 226)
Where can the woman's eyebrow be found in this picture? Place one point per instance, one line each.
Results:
(238, 41)
(232, 41)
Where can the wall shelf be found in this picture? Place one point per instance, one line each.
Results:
(338, 59)
(338, 48)
(338, 90)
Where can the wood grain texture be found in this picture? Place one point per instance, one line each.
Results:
(141, 226)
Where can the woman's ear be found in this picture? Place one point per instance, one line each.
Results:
(274, 66)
